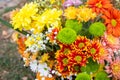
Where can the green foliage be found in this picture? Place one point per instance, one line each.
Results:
(83, 76)
(67, 36)
(4, 22)
(97, 29)
(102, 76)
(92, 66)
(74, 24)
(85, 30)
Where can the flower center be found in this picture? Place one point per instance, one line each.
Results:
(113, 22)
(99, 5)
(66, 51)
(65, 61)
(93, 50)
(78, 58)
(81, 45)
(116, 68)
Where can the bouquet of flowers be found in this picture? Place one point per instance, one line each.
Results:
(69, 39)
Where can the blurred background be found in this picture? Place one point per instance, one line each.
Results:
(11, 64)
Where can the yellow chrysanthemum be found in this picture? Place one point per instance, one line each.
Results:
(44, 58)
(85, 14)
(70, 13)
(52, 1)
(24, 17)
(50, 17)
(13, 13)
(30, 41)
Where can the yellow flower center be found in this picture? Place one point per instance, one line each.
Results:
(116, 68)
(99, 5)
(113, 22)
(78, 58)
(52, 1)
(93, 50)
(66, 51)
(65, 61)
(81, 45)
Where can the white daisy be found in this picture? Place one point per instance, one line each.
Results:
(34, 66)
(44, 70)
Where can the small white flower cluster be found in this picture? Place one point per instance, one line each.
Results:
(39, 42)
(42, 68)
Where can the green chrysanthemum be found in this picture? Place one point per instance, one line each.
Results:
(91, 66)
(83, 76)
(74, 24)
(97, 29)
(102, 76)
(67, 36)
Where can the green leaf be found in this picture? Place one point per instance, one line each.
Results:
(102, 76)
(10, 26)
(74, 24)
(83, 76)
(92, 66)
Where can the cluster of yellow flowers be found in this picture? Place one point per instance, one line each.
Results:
(82, 13)
(28, 18)
(50, 17)
(24, 17)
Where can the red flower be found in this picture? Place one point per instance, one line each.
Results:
(94, 50)
(77, 57)
(53, 34)
(62, 57)
(81, 44)
(62, 64)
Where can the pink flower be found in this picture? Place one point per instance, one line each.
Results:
(71, 3)
(111, 41)
(114, 68)
(105, 55)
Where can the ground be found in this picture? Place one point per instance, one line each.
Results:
(11, 64)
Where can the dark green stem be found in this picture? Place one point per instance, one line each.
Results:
(10, 26)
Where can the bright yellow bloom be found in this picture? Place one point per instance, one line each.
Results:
(13, 13)
(70, 13)
(44, 58)
(30, 41)
(24, 17)
(85, 14)
(52, 1)
(50, 17)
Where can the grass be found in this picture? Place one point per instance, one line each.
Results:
(11, 65)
